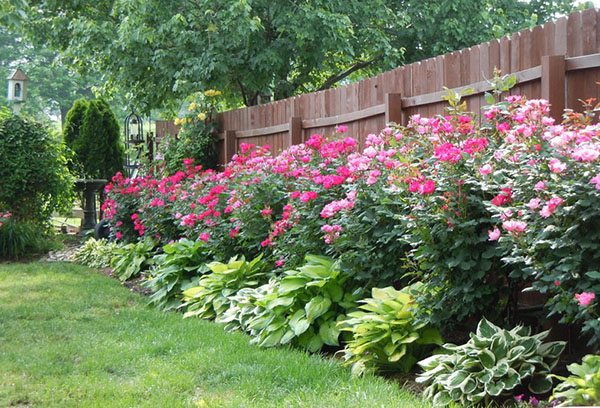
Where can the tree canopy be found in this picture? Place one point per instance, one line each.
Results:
(162, 51)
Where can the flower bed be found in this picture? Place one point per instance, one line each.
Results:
(471, 211)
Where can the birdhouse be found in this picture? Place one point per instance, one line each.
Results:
(17, 86)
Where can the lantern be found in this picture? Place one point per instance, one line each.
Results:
(134, 141)
(17, 89)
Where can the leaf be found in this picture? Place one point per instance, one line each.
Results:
(298, 322)
(487, 358)
(486, 329)
(316, 307)
(273, 338)
(329, 333)
(540, 384)
(430, 336)
(290, 284)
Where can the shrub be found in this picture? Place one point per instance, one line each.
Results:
(302, 308)
(177, 269)
(132, 259)
(96, 253)
(34, 178)
(491, 364)
(385, 334)
(211, 298)
(582, 387)
(197, 135)
(547, 213)
(21, 239)
(93, 133)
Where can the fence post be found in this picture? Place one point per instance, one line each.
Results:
(553, 84)
(229, 145)
(393, 108)
(295, 132)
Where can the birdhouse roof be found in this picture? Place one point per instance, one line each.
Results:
(18, 75)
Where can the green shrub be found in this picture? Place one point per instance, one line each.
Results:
(22, 239)
(96, 253)
(177, 269)
(385, 333)
(303, 307)
(34, 178)
(197, 136)
(211, 298)
(491, 364)
(582, 387)
(93, 133)
(130, 260)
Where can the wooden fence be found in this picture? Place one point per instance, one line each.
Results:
(559, 61)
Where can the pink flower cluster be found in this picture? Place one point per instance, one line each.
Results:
(332, 232)
(4, 216)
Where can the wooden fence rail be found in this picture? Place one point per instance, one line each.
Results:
(559, 61)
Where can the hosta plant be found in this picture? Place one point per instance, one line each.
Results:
(303, 307)
(490, 365)
(178, 268)
(130, 260)
(212, 296)
(242, 306)
(385, 333)
(96, 253)
(582, 387)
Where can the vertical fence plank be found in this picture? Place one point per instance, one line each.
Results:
(553, 84)
(393, 108)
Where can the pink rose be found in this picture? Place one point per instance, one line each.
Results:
(585, 298)
(485, 169)
(494, 234)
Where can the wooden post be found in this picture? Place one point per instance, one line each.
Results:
(553, 84)
(229, 144)
(393, 108)
(295, 132)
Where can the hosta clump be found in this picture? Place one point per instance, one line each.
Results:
(491, 364)
(303, 307)
(96, 253)
(130, 260)
(178, 268)
(212, 296)
(385, 333)
(243, 308)
(582, 387)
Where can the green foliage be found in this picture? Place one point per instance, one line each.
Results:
(303, 307)
(22, 239)
(491, 364)
(34, 178)
(96, 253)
(582, 387)
(93, 133)
(211, 298)
(197, 137)
(177, 269)
(385, 333)
(132, 259)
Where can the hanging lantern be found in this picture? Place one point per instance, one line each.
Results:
(134, 141)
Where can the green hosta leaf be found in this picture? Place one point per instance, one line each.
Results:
(487, 358)
(329, 333)
(430, 336)
(494, 388)
(316, 307)
(486, 329)
(290, 284)
(272, 339)
(401, 352)
(456, 379)
(298, 322)
(540, 384)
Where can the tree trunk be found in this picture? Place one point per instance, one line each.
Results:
(63, 115)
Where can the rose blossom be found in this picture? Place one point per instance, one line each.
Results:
(485, 169)
(494, 234)
(585, 298)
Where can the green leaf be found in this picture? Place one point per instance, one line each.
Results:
(329, 333)
(540, 384)
(487, 358)
(316, 307)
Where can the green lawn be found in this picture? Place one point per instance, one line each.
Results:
(70, 337)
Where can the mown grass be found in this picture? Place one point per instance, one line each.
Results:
(70, 337)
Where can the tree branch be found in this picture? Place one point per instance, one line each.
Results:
(332, 80)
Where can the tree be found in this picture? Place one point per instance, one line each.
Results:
(247, 48)
(92, 132)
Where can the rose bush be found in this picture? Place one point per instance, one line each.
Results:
(470, 210)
